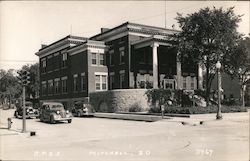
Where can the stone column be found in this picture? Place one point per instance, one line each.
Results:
(155, 65)
(200, 77)
(178, 72)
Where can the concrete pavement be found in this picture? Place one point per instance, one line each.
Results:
(109, 139)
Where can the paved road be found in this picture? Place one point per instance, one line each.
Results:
(109, 139)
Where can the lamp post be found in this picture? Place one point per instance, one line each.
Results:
(218, 67)
(242, 87)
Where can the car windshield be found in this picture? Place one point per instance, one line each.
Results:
(28, 104)
(56, 107)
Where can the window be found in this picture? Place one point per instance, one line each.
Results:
(64, 84)
(122, 79)
(43, 62)
(122, 55)
(97, 82)
(50, 87)
(50, 63)
(93, 58)
(101, 81)
(75, 84)
(44, 88)
(56, 85)
(184, 82)
(104, 82)
(83, 82)
(102, 59)
(111, 56)
(192, 83)
(112, 80)
(64, 59)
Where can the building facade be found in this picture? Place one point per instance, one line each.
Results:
(127, 56)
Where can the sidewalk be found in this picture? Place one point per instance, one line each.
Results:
(199, 119)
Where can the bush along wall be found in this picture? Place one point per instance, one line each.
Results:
(179, 101)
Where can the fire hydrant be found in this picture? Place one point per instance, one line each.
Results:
(9, 123)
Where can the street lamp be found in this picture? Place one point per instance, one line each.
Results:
(218, 67)
(242, 87)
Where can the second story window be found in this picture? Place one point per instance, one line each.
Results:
(102, 59)
(43, 62)
(64, 59)
(75, 83)
(122, 55)
(93, 58)
(111, 57)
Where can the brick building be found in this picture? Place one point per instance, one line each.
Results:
(127, 56)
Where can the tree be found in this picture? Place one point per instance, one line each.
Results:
(9, 86)
(237, 64)
(206, 37)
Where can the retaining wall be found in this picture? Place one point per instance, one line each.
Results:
(119, 100)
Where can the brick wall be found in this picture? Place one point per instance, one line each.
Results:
(118, 100)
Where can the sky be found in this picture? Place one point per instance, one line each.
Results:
(25, 25)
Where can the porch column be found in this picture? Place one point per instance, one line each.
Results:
(178, 72)
(200, 77)
(155, 65)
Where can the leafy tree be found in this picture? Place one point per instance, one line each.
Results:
(206, 37)
(237, 63)
(9, 86)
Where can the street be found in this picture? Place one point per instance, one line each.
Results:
(176, 139)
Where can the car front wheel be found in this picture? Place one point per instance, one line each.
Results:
(52, 121)
(69, 121)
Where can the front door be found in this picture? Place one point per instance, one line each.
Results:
(169, 84)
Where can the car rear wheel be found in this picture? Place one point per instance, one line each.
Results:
(52, 121)
(16, 114)
(69, 121)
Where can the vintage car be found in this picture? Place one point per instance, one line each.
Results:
(54, 112)
(31, 112)
(83, 109)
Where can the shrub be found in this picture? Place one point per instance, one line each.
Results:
(136, 107)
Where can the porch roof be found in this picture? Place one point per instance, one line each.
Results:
(159, 39)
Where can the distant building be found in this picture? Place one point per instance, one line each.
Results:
(127, 56)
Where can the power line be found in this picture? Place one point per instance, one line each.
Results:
(18, 60)
(164, 13)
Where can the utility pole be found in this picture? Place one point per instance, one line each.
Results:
(24, 77)
(165, 14)
(24, 111)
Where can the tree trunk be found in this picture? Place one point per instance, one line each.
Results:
(207, 82)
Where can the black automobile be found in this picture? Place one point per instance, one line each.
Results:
(83, 109)
(31, 112)
(54, 112)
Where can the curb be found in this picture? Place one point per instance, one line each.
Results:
(122, 116)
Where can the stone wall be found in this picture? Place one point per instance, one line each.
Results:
(118, 100)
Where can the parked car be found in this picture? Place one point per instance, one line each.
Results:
(83, 109)
(31, 112)
(54, 112)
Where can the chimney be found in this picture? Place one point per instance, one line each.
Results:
(43, 45)
(104, 29)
